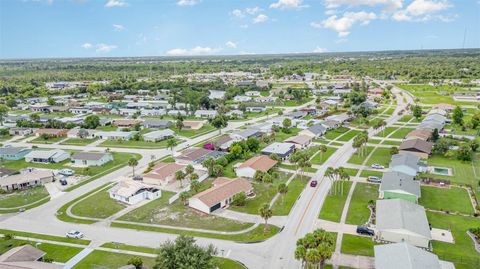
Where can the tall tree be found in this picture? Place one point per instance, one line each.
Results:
(180, 176)
(3, 113)
(315, 248)
(184, 253)
(417, 112)
(457, 115)
(282, 190)
(133, 163)
(266, 213)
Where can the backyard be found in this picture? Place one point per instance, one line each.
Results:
(357, 245)
(381, 156)
(23, 197)
(99, 205)
(358, 212)
(451, 199)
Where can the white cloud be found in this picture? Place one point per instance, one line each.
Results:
(118, 27)
(253, 10)
(260, 18)
(231, 44)
(320, 50)
(316, 25)
(116, 3)
(237, 13)
(424, 10)
(87, 46)
(193, 51)
(342, 25)
(184, 3)
(389, 5)
(104, 48)
(287, 4)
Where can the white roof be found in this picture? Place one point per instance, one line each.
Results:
(280, 148)
(45, 154)
(160, 133)
(404, 256)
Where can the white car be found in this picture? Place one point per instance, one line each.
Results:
(74, 234)
(377, 166)
(66, 172)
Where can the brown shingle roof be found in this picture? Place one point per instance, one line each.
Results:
(417, 144)
(299, 139)
(193, 154)
(259, 163)
(223, 188)
(163, 170)
(52, 131)
(423, 134)
(22, 254)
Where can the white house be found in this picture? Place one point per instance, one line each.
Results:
(214, 94)
(115, 135)
(260, 163)
(242, 98)
(132, 192)
(205, 113)
(158, 135)
(85, 159)
(47, 156)
(220, 195)
(80, 110)
(252, 93)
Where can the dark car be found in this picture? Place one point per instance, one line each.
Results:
(63, 182)
(365, 231)
(313, 183)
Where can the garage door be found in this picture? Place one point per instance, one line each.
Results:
(215, 207)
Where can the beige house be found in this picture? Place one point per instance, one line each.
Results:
(25, 257)
(26, 180)
(163, 174)
(192, 125)
(301, 141)
(260, 163)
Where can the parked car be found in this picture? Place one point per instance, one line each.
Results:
(365, 231)
(374, 179)
(66, 172)
(377, 166)
(313, 183)
(74, 234)
(63, 182)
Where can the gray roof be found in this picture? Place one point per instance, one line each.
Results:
(318, 128)
(404, 256)
(164, 123)
(247, 133)
(89, 156)
(12, 150)
(407, 159)
(160, 133)
(397, 214)
(400, 182)
(279, 148)
(45, 154)
(430, 125)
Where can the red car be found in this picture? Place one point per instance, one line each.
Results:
(313, 183)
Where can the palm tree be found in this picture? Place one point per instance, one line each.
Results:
(189, 170)
(282, 189)
(265, 213)
(343, 175)
(180, 176)
(195, 185)
(209, 164)
(184, 197)
(171, 143)
(132, 163)
(330, 173)
(322, 149)
(315, 248)
(194, 176)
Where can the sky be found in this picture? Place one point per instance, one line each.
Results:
(112, 28)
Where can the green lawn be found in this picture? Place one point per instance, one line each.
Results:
(264, 193)
(406, 118)
(358, 157)
(391, 143)
(464, 173)
(282, 136)
(78, 141)
(349, 135)
(284, 204)
(109, 260)
(137, 144)
(228, 170)
(381, 156)
(332, 134)
(40, 140)
(57, 253)
(357, 245)
(386, 131)
(446, 199)
(45, 237)
(351, 171)
(320, 158)
(206, 128)
(333, 205)
(99, 205)
(358, 212)
(367, 173)
(178, 215)
(431, 94)
(22, 198)
(401, 132)
(462, 252)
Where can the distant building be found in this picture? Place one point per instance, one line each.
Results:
(159, 135)
(132, 192)
(86, 159)
(282, 150)
(26, 179)
(13, 153)
(47, 156)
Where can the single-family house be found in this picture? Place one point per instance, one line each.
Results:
(440, 112)
(315, 131)
(223, 143)
(266, 99)
(85, 159)
(397, 185)
(5, 172)
(419, 147)
(192, 125)
(205, 113)
(252, 93)
(446, 107)
(23, 131)
(25, 257)
(398, 221)
(220, 195)
(423, 134)
(152, 113)
(43, 108)
(300, 141)
(246, 134)
(158, 135)
(283, 150)
(214, 94)
(176, 112)
(51, 132)
(234, 112)
(75, 133)
(115, 135)
(47, 156)
(405, 256)
(126, 123)
(157, 124)
(80, 110)
(256, 109)
(260, 163)
(132, 192)
(192, 155)
(162, 173)
(297, 114)
(26, 179)
(13, 153)
(242, 98)
(264, 128)
(407, 163)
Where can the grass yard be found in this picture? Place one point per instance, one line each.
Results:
(282, 136)
(381, 156)
(332, 134)
(137, 144)
(367, 173)
(178, 215)
(401, 132)
(109, 260)
(406, 118)
(99, 205)
(358, 212)
(333, 205)
(40, 140)
(22, 198)
(464, 173)
(57, 253)
(431, 94)
(391, 143)
(78, 141)
(284, 204)
(206, 128)
(358, 158)
(46, 237)
(386, 131)
(297, 102)
(462, 252)
(351, 171)
(357, 245)
(349, 135)
(264, 193)
(320, 157)
(451, 199)
(374, 141)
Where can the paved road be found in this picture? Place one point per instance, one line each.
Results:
(276, 252)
